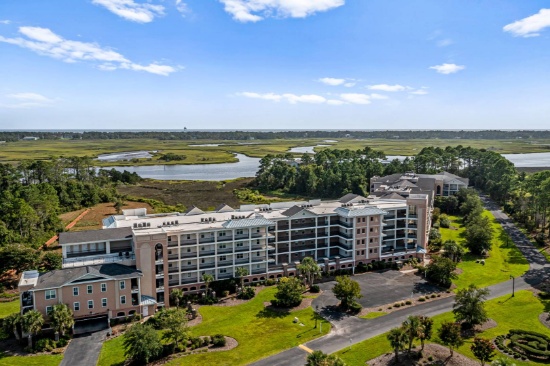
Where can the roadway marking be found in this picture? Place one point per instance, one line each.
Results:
(305, 348)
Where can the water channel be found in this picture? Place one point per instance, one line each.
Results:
(247, 167)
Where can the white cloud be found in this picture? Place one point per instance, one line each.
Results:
(378, 96)
(30, 97)
(445, 42)
(6, 22)
(387, 88)
(350, 85)
(447, 68)
(45, 42)
(530, 26)
(356, 98)
(27, 100)
(183, 8)
(335, 102)
(332, 81)
(291, 98)
(421, 91)
(130, 10)
(256, 10)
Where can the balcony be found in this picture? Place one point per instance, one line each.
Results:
(344, 235)
(241, 261)
(225, 250)
(223, 276)
(282, 227)
(303, 236)
(206, 240)
(189, 255)
(172, 244)
(343, 246)
(172, 257)
(345, 224)
(188, 280)
(189, 268)
(207, 265)
(281, 238)
(88, 261)
(242, 249)
(228, 262)
(297, 248)
(258, 259)
(258, 235)
(86, 253)
(413, 216)
(259, 270)
(412, 226)
(173, 270)
(204, 253)
(322, 234)
(241, 236)
(303, 225)
(173, 283)
(188, 241)
(225, 238)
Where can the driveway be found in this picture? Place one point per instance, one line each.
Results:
(379, 288)
(84, 349)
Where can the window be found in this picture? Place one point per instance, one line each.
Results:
(223, 270)
(258, 254)
(358, 252)
(103, 287)
(240, 256)
(362, 241)
(169, 239)
(48, 309)
(358, 242)
(363, 231)
(76, 306)
(221, 233)
(122, 285)
(371, 218)
(240, 244)
(362, 252)
(371, 240)
(75, 291)
(358, 231)
(371, 229)
(222, 246)
(240, 232)
(188, 250)
(123, 299)
(89, 289)
(104, 303)
(370, 251)
(90, 304)
(223, 258)
(189, 275)
(50, 294)
(188, 263)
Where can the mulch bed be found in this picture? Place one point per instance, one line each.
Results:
(469, 333)
(545, 319)
(440, 356)
(306, 303)
(386, 308)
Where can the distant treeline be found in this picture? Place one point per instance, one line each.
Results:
(269, 135)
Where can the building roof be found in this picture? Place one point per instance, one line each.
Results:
(193, 210)
(243, 223)
(60, 277)
(292, 211)
(224, 208)
(95, 235)
(367, 211)
(392, 196)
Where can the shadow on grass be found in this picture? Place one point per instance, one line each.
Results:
(272, 313)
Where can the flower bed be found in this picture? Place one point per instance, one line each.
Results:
(524, 344)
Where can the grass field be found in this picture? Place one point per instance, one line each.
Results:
(39, 360)
(45, 149)
(504, 259)
(9, 307)
(521, 312)
(260, 333)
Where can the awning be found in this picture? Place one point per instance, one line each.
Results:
(147, 300)
(421, 250)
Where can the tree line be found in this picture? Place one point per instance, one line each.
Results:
(269, 135)
(34, 193)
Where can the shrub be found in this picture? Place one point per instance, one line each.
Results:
(44, 345)
(63, 341)
(433, 296)
(205, 341)
(408, 302)
(195, 342)
(544, 295)
(421, 298)
(315, 289)
(270, 282)
(247, 293)
(355, 308)
(397, 305)
(218, 340)
(225, 293)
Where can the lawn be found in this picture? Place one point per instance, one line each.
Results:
(521, 312)
(39, 360)
(260, 333)
(9, 307)
(504, 259)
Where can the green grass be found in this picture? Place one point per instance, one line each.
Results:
(260, 333)
(373, 314)
(504, 259)
(9, 307)
(521, 312)
(39, 360)
(45, 149)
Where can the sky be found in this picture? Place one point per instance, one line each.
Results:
(274, 64)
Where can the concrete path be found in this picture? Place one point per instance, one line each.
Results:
(349, 330)
(84, 350)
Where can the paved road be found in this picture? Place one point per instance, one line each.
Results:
(349, 330)
(84, 350)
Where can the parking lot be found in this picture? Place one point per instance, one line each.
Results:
(379, 288)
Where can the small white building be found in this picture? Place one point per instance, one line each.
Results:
(30, 138)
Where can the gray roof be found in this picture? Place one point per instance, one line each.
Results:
(292, 211)
(393, 196)
(224, 208)
(147, 300)
(60, 277)
(367, 211)
(95, 235)
(348, 197)
(193, 210)
(244, 223)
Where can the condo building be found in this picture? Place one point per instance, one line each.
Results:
(131, 264)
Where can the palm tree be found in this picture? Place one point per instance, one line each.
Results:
(207, 278)
(398, 339)
(310, 269)
(11, 323)
(241, 273)
(426, 325)
(61, 318)
(32, 323)
(176, 295)
(453, 251)
(412, 328)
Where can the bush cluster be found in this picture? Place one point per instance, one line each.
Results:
(48, 344)
(524, 344)
(247, 293)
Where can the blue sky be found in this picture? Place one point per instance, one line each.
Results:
(274, 64)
